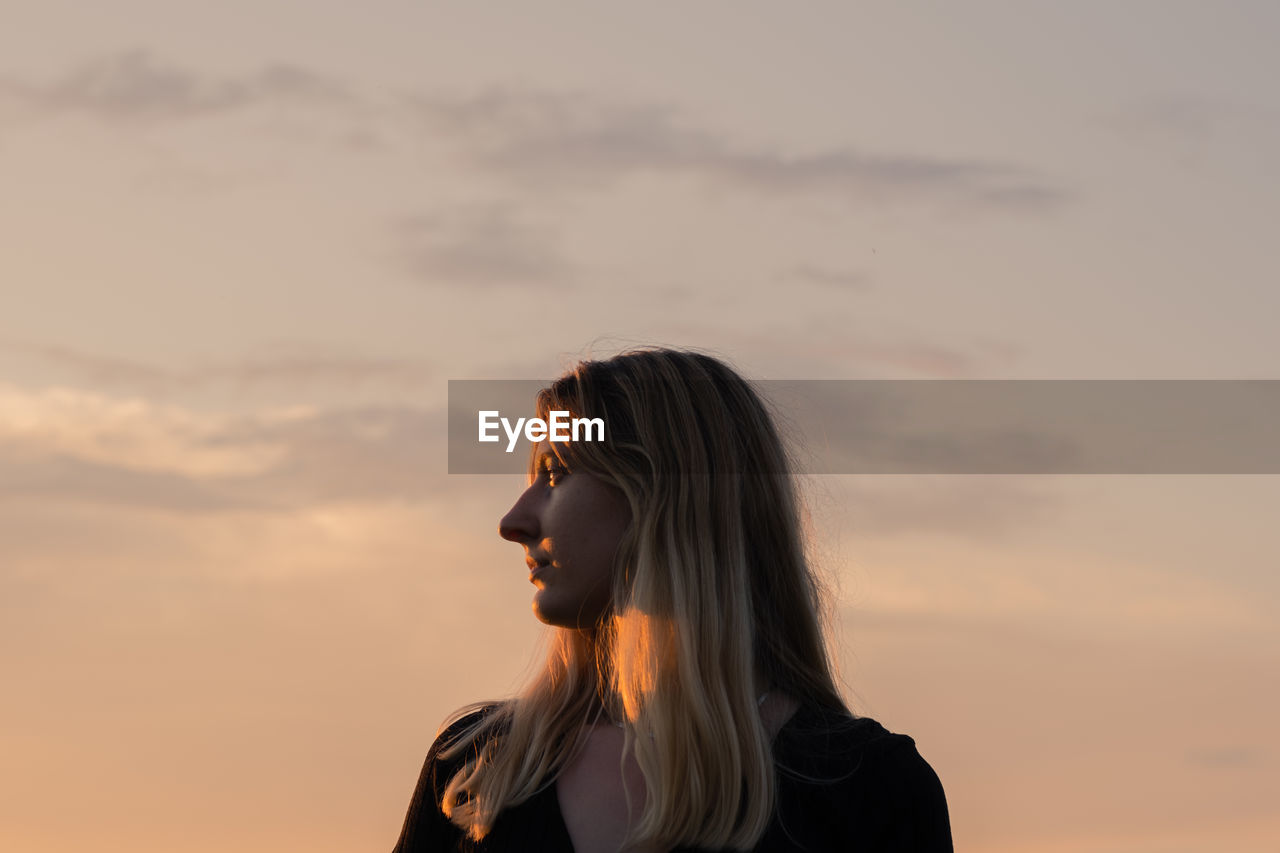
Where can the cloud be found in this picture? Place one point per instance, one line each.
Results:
(296, 370)
(61, 478)
(981, 509)
(1023, 570)
(135, 86)
(553, 140)
(374, 453)
(1186, 124)
(835, 279)
(573, 139)
(482, 245)
(920, 357)
(1188, 116)
(987, 510)
(824, 349)
(128, 432)
(65, 444)
(1226, 757)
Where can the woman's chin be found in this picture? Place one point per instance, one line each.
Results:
(545, 611)
(550, 612)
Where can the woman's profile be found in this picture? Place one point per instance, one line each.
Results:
(688, 701)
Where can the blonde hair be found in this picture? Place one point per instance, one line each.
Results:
(712, 585)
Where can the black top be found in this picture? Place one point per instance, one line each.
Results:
(882, 797)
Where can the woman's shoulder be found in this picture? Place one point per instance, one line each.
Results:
(836, 740)
(425, 826)
(465, 724)
(814, 728)
(852, 776)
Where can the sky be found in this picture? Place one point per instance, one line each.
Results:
(244, 247)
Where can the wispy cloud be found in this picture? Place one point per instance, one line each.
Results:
(823, 350)
(297, 371)
(89, 447)
(42, 476)
(835, 279)
(370, 453)
(136, 86)
(1187, 124)
(553, 141)
(482, 245)
(982, 509)
(1227, 757)
(129, 432)
(558, 140)
(1180, 114)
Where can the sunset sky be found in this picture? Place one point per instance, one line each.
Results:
(244, 246)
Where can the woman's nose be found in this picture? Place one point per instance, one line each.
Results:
(520, 524)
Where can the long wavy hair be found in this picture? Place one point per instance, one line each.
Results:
(712, 586)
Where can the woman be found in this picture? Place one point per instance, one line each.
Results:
(688, 701)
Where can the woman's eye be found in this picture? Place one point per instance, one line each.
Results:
(553, 471)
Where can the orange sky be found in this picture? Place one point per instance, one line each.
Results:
(243, 248)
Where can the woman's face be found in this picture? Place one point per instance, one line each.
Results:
(570, 525)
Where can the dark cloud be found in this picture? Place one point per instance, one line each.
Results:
(134, 85)
(480, 245)
(563, 139)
